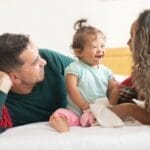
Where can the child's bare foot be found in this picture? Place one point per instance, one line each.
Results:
(60, 123)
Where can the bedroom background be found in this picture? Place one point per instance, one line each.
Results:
(50, 23)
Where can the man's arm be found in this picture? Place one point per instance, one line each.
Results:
(5, 85)
(5, 82)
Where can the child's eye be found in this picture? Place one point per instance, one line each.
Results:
(102, 46)
(94, 46)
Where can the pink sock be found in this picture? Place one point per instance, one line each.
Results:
(87, 119)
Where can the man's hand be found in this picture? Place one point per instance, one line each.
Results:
(5, 82)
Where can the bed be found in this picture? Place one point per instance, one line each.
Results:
(40, 136)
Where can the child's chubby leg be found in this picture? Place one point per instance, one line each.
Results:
(62, 119)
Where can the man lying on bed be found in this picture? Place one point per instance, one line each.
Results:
(31, 81)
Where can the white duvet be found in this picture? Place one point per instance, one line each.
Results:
(40, 136)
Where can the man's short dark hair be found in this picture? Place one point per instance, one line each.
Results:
(11, 46)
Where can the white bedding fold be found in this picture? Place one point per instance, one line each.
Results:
(104, 116)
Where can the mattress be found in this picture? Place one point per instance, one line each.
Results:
(40, 136)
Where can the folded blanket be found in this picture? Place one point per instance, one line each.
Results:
(104, 116)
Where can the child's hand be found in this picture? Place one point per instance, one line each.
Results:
(85, 106)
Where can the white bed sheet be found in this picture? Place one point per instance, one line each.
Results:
(40, 136)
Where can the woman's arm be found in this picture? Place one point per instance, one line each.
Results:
(128, 109)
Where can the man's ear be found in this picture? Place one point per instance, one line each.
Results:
(14, 78)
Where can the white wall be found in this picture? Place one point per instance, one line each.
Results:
(50, 22)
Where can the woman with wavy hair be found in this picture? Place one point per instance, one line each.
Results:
(139, 44)
(141, 56)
